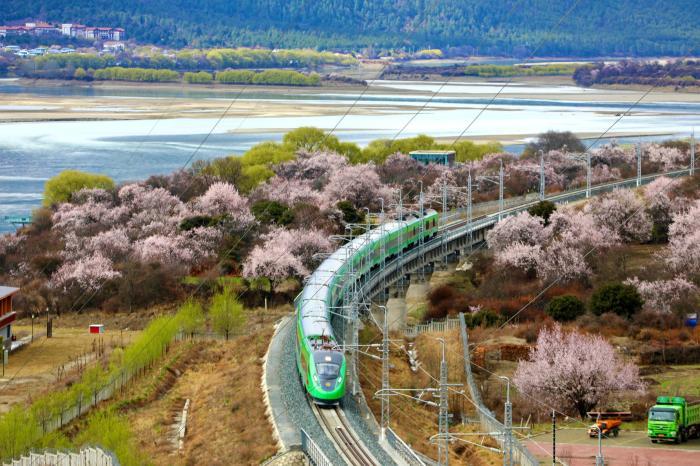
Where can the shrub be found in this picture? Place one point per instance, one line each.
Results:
(226, 312)
(350, 213)
(543, 209)
(201, 77)
(272, 212)
(61, 187)
(197, 221)
(565, 308)
(623, 300)
(554, 140)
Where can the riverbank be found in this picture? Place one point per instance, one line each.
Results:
(54, 100)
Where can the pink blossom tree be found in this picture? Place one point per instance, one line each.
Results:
(316, 167)
(454, 197)
(563, 260)
(525, 257)
(150, 210)
(576, 370)
(399, 168)
(683, 253)
(659, 295)
(9, 243)
(288, 191)
(623, 212)
(523, 228)
(613, 154)
(88, 273)
(358, 184)
(274, 261)
(299, 247)
(93, 212)
(164, 250)
(223, 199)
(580, 230)
(667, 158)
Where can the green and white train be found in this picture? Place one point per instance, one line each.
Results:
(320, 359)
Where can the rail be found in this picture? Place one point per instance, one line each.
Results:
(349, 446)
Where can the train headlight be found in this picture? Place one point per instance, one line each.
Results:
(315, 378)
(340, 379)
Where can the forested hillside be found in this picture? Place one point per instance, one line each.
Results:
(606, 27)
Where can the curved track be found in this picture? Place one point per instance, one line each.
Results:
(337, 428)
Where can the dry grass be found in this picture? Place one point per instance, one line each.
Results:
(226, 423)
(50, 363)
(416, 422)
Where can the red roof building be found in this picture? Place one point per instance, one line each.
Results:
(7, 314)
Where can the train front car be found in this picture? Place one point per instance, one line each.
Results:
(327, 374)
(320, 359)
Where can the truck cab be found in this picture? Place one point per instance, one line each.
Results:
(672, 419)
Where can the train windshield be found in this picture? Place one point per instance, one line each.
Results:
(327, 370)
(662, 415)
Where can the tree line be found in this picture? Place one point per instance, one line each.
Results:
(488, 27)
(267, 77)
(195, 59)
(680, 73)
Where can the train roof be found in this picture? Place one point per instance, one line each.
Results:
(314, 296)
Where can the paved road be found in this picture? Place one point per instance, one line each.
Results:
(629, 449)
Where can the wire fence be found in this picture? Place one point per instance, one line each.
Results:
(487, 419)
(312, 450)
(404, 451)
(89, 456)
(442, 325)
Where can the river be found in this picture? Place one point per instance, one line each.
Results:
(33, 151)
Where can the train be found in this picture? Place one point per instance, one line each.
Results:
(321, 362)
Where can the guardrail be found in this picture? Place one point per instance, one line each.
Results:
(312, 450)
(403, 450)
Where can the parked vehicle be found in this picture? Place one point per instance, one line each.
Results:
(608, 422)
(673, 419)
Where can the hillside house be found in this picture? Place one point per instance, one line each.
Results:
(439, 157)
(7, 314)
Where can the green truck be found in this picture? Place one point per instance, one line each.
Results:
(673, 419)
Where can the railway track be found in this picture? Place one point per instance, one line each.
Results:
(337, 428)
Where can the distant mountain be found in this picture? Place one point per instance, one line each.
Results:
(499, 27)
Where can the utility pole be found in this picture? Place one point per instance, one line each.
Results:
(444, 203)
(385, 374)
(542, 180)
(692, 153)
(500, 191)
(639, 164)
(588, 174)
(420, 238)
(508, 426)
(444, 413)
(554, 438)
(599, 460)
(469, 209)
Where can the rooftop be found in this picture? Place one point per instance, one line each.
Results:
(6, 291)
(432, 152)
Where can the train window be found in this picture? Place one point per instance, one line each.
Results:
(327, 370)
